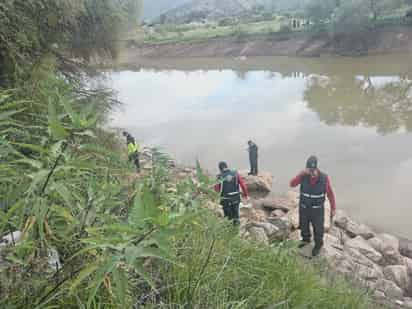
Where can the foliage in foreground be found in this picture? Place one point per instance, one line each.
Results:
(67, 188)
(216, 269)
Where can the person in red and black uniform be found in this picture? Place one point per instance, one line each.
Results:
(230, 183)
(314, 187)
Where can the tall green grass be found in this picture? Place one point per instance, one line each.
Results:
(216, 269)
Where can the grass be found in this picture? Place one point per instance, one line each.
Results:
(216, 269)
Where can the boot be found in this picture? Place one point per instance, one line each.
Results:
(316, 251)
(303, 244)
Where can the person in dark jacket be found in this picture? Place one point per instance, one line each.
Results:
(314, 187)
(253, 158)
(230, 184)
(132, 150)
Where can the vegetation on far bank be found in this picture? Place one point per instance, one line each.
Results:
(334, 17)
(121, 241)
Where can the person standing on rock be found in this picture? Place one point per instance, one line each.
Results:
(132, 150)
(314, 187)
(253, 158)
(229, 186)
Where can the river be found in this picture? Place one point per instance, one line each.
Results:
(354, 114)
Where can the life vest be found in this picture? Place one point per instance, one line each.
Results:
(229, 186)
(132, 148)
(313, 196)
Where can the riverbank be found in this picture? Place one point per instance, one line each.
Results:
(380, 263)
(302, 44)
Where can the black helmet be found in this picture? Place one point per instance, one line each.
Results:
(312, 162)
(222, 166)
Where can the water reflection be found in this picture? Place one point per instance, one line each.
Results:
(343, 118)
(384, 102)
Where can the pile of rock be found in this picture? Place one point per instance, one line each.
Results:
(380, 262)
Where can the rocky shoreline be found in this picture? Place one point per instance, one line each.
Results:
(380, 262)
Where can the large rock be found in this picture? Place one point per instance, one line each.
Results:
(390, 289)
(388, 246)
(405, 247)
(293, 217)
(357, 266)
(276, 203)
(351, 227)
(283, 225)
(332, 249)
(277, 213)
(338, 233)
(271, 230)
(360, 244)
(397, 274)
(286, 202)
(261, 183)
(252, 214)
(258, 234)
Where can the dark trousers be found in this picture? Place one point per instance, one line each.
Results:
(316, 217)
(253, 165)
(135, 158)
(231, 210)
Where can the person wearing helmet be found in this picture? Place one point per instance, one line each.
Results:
(314, 187)
(132, 150)
(230, 186)
(253, 158)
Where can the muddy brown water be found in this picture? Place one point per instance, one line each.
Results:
(355, 114)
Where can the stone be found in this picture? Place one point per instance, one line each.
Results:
(389, 241)
(397, 274)
(279, 202)
(379, 294)
(295, 235)
(351, 227)
(405, 247)
(361, 245)
(407, 302)
(293, 197)
(399, 303)
(283, 225)
(332, 249)
(14, 237)
(258, 234)
(252, 214)
(361, 266)
(338, 233)
(390, 289)
(388, 246)
(54, 259)
(277, 213)
(269, 228)
(260, 183)
(293, 217)
(408, 264)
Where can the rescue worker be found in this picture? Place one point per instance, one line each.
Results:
(314, 187)
(230, 183)
(253, 158)
(132, 150)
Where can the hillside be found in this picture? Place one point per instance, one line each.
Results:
(214, 9)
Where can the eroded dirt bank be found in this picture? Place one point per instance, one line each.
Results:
(390, 40)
